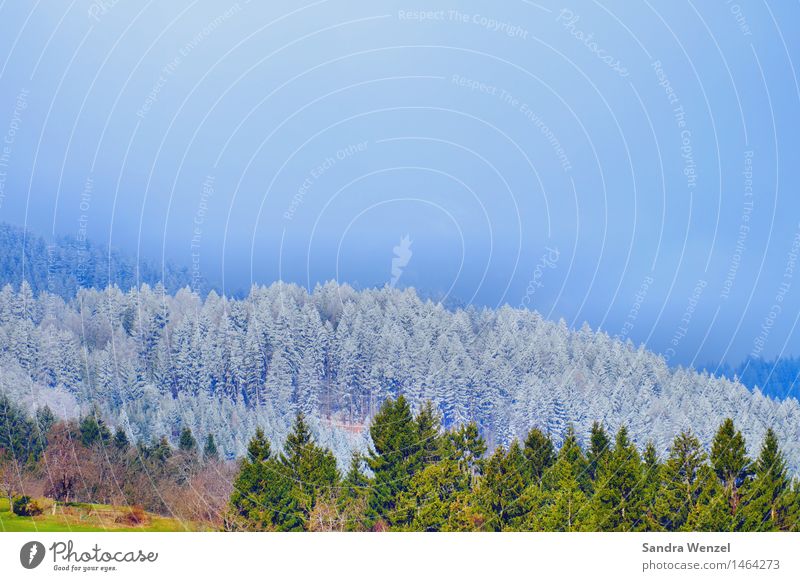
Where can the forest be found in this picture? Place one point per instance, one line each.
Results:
(153, 363)
(415, 476)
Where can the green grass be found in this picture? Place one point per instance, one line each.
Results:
(80, 517)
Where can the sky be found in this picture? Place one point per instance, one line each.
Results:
(628, 165)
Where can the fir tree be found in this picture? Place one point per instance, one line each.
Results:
(467, 447)
(261, 494)
(353, 496)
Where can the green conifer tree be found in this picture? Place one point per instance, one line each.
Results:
(261, 494)
(210, 451)
(599, 451)
(682, 482)
(186, 441)
(565, 487)
(731, 464)
(393, 458)
(310, 469)
(501, 487)
(619, 499)
(539, 455)
(768, 497)
(651, 486)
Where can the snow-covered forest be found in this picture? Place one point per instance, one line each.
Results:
(153, 363)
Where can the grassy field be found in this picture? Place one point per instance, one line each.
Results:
(77, 517)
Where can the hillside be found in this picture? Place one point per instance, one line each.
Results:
(66, 264)
(152, 362)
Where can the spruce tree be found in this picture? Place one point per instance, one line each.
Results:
(539, 455)
(501, 487)
(599, 450)
(651, 486)
(210, 451)
(768, 496)
(393, 457)
(261, 494)
(310, 469)
(619, 500)
(682, 482)
(730, 462)
(186, 442)
(352, 501)
(565, 487)
(121, 441)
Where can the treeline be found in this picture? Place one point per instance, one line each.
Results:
(85, 461)
(773, 377)
(418, 477)
(67, 264)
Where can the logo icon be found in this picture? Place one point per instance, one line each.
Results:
(31, 554)
(402, 256)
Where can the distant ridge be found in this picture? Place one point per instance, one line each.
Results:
(66, 264)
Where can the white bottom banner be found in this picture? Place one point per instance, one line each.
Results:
(422, 556)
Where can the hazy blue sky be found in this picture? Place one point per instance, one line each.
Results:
(633, 165)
